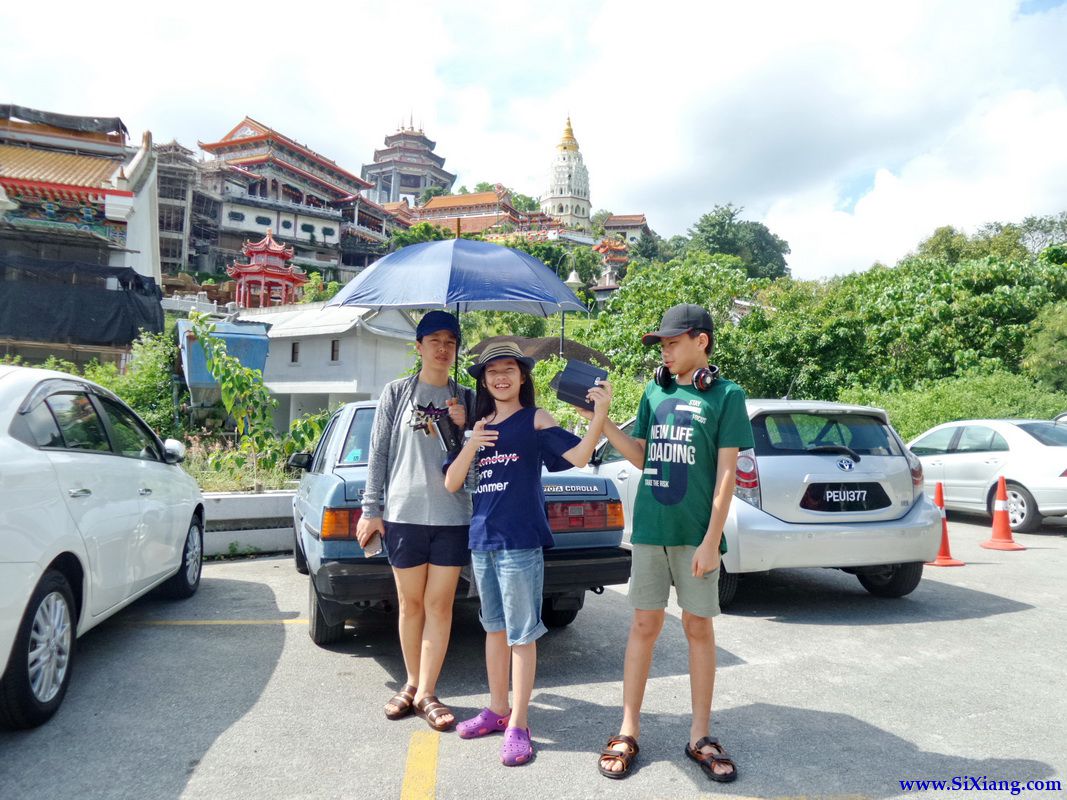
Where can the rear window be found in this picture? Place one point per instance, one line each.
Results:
(798, 433)
(357, 443)
(1053, 434)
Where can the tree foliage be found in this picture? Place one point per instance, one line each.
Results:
(761, 253)
(419, 232)
(315, 291)
(1045, 353)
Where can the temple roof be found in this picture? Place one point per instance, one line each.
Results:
(267, 244)
(462, 200)
(625, 221)
(49, 166)
(567, 141)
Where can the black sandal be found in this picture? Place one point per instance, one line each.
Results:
(432, 710)
(625, 757)
(708, 761)
(402, 701)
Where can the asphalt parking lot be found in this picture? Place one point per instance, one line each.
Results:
(823, 691)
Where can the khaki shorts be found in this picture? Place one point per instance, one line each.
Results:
(655, 569)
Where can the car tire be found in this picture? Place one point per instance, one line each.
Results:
(727, 586)
(321, 633)
(298, 554)
(557, 617)
(29, 698)
(893, 580)
(1028, 518)
(186, 580)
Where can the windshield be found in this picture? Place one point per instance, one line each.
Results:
(798, 433)
(357, 443)
(1052, 434)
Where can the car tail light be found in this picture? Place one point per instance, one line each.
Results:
(596, 515)
(916, 467)
(340, 523)
(746, 486)
(1063, 474)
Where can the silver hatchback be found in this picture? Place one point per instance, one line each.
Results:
(826, 485)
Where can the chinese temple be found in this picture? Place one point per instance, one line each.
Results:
(567, 197)
(267, 279)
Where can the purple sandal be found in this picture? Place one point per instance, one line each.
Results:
(517, 748)
(482, 725)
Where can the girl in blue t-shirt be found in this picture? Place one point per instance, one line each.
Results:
(511, 439)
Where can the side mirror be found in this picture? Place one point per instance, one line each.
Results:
(173, 451)
(300, 461)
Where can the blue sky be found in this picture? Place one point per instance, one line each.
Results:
(851, 129)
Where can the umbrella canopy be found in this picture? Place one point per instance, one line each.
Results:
(460, 275)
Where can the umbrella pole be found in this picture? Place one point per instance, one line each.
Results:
(562, 327)
(455, 366)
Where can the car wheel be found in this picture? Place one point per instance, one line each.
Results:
(298, 554)
(1022, 509)
(39, 669)
(321, 632)
(186, 580)
(557, 617)
(727, 586)
(892, 580)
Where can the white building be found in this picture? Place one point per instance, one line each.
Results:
(322, 356)
(567, 198)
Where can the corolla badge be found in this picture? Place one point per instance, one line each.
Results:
(846, 464)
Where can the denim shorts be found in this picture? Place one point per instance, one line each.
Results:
(655, 569)
(414, 545)
(510, 584)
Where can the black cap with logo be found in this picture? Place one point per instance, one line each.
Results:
(681, 319)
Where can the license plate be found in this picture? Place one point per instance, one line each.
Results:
(845, 497)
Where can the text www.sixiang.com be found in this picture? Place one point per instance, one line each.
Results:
(969, 783)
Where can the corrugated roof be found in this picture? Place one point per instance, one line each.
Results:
(456, 201)
(624, 220)
(48, 166)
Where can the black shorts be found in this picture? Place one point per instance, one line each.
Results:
(415, 545)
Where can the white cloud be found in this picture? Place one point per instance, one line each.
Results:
(851, 129)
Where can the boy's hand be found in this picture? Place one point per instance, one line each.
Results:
(482, 436)
(457, 412)
(367, 527)
(705, 559)
(600, 397)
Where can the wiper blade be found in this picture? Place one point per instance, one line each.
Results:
(836, 448)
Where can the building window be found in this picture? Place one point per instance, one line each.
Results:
(335, 349)
(171, 218)
(263, 220)
(286, 224)
(294, 353)
(306, 228)
(236, 216)
(328, 232)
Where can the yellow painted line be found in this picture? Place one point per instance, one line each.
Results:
(218, 622)
(420, 772)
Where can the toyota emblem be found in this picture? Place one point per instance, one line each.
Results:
(846, 465)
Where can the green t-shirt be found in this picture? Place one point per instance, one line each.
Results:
(683, 429)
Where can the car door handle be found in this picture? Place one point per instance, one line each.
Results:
(623, 474)
(992, 461)
(79, 492)
(145, 492)
(935, 463)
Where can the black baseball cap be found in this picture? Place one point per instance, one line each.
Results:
(680, 319)
(436, 321)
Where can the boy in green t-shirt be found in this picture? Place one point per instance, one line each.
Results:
(689, 430)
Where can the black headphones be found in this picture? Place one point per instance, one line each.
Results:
(703, 378)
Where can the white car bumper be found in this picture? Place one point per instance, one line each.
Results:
(1051, 500)
(16, 584)
(759, 542)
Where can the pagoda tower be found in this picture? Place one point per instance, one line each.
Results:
(567, 198)
(267, 275)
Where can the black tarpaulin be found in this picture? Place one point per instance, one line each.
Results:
(65, 121)
(76, 303)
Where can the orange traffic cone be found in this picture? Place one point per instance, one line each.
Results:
(944, 556)
(1001, 538)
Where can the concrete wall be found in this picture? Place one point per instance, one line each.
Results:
(239, 522)
(277, 219)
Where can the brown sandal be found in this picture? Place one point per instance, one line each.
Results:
(708, 761)
(432, 710)
(402, 701)
(626, 757)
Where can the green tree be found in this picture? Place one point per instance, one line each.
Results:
(1045, 353)
(597, 221)
(647, 246)
(429, 193)
(463, 190)
(484, 186)
(523, 202)
(315, 291)
(762, 254)
(419, 232)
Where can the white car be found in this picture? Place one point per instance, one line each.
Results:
(94, 513)
(827, 485)
(969, 457)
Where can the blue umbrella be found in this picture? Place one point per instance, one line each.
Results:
(460, 275)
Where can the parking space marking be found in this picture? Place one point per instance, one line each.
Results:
(217, 622)
(420, 771)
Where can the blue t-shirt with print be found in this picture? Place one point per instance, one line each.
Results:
(509, 503)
